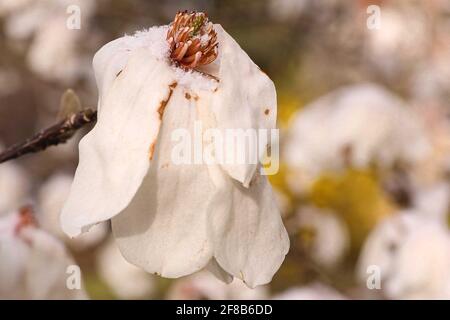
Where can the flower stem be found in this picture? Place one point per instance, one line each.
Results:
(51, 136)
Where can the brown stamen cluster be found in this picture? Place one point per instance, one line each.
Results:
(192, 40)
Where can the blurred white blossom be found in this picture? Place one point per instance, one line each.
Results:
(51, 197)
(125, 280)
(433, 201)
(204, 286)
(33, 263)
(401, 42)
(330, 235)
(353, 126)
(54, 51)
(413, 254)
(314, 291)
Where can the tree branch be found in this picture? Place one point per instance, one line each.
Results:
(52, 136)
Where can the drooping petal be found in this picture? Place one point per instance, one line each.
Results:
(108, 62)
(218, 272)
(246, 91)
(115, 155)
(254, 242)
(111, 59)
(165, 229)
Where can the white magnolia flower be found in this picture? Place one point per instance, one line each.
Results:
(33, 263)
(51, 197)
(14, 186)
(413, 256)
(354, 125)
(314, 291)
(175, 219)
(204, 286)
(125, 280)
(433, 201)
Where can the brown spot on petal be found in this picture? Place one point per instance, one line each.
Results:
(266, 112)
(187, 95)
(152, 150)
(163, 103)
(162, 107)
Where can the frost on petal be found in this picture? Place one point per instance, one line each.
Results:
(115, 155)
(246, 91)
(112, 58)
(165, 229)
(253, 243)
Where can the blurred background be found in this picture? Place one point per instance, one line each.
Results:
(363, 108)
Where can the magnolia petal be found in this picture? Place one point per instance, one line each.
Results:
(115, 155)
(218, 272)
(246, 91)
(165, 228)
(254, 242)
(108, 63)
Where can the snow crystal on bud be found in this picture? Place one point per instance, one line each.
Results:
(195, 80)
(153, 39)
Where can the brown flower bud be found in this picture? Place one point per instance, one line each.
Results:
(192, 40)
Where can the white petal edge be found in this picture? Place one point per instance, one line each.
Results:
(252, 243)
(246, 91)
(115, 155)
(214, 268)
(108, 62)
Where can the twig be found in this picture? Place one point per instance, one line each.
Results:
(52, 136)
